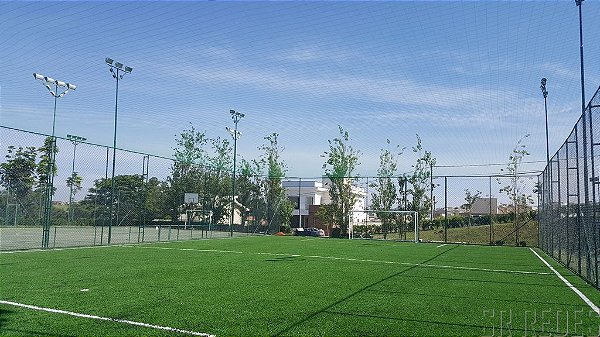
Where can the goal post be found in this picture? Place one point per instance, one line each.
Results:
(385, 224)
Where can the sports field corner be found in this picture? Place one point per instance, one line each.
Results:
(283, 286)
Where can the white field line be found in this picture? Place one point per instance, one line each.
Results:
(355, 260)
(440, 246)
(568, 284)
(70, 313)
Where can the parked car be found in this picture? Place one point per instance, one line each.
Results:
(309, 232)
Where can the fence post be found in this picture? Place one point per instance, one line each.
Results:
(445, 209)
(491, 220)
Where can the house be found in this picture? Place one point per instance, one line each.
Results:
(308, 195)
(484, 206)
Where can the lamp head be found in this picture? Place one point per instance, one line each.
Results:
(71, 86)
(578, 2)
(544, 81)
(128, 69)
(109, 61)
(119, 65)
(38, 76)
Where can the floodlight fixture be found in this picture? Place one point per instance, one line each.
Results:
(119, 65)
(49, 79)
(74, 138)
(128, 69)
(61, 83)
(71, 86)
(109, 61)
(578, 2)
(543, 87)
(38, 76)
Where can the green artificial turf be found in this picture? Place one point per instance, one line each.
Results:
(281, 286)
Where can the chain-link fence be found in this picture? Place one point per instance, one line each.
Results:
(153, 198)
(146, 200)
(570, 197)
(497, 210)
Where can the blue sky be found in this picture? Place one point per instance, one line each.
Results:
(463, 75)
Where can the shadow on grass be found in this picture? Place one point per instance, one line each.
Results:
(423, 321)
(326, 308)
(286, 259)
(477, 298)
(466, 279)
(4, 330)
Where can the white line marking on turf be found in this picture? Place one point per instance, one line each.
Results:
(440, 245)
(70, 313)
(353, 260)
(579, 293)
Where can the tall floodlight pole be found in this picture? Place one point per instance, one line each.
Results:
(236, 116)
(75, 140)
(584, 121)
(64, 88)
(117, 70)
(583, 117)
(545, 93)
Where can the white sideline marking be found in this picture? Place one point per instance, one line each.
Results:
(440, 246)
(70, 313)
(579, 293)
(353, 260)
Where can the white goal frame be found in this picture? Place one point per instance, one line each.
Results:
(415, 216)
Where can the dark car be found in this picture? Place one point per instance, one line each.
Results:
(309, 232)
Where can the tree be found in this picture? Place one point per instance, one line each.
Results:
(521, 201)
(341, 161)
(128, 189)
(250, 190)
(420, 181)
(218, 183)
(386, 193)
(74, 185)
(188, 170)
(279, 208)
(469, 201)
(44, 164)
(17, 173)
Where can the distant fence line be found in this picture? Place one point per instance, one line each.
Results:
(150, 206)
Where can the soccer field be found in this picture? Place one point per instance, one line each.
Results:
(283, 286)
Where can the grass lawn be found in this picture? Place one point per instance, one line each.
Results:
(291, 286)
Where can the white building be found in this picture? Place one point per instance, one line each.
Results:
(307, 195)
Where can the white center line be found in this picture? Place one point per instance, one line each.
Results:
(70, 313)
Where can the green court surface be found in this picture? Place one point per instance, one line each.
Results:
(291, 286)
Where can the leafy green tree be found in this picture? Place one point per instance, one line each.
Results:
(188, 170)
(218, 179)
(45, 152)
(470, 199)
(74, 185)
(420, 181)
(386, 193)
(250, 190)
(520, 201)
(341, 162)
(17, 173)
(128, 189)
(279, 209)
